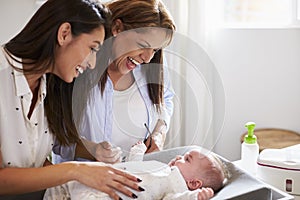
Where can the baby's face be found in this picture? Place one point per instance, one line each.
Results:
(191, 164)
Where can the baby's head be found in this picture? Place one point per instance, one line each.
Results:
(200, 170)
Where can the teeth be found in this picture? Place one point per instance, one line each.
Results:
(79, 69)
(134, 61)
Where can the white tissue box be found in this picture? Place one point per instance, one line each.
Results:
(281, 168)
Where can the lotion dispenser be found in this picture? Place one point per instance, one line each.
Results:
(250, 150)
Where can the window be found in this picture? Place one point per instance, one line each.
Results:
(298, 10)
(261, 13)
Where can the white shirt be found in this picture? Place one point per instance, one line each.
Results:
(23, 142)
(129, 116)
(98, 118)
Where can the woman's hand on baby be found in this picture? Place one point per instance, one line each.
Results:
(107, 179)
(205, 193)
(106, 152)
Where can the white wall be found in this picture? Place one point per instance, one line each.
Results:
(260, 70)
(14, 14)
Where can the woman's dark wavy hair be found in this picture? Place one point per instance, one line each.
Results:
(36, 44)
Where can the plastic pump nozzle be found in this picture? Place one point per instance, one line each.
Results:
(250, 138)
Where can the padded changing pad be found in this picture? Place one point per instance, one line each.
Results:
(240, 186)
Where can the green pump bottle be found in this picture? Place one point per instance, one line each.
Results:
(250, 150)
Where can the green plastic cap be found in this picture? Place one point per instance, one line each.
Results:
(250, 138)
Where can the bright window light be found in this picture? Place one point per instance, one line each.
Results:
(258, 12)
(298, 10)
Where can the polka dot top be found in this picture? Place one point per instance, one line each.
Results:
(23, 142)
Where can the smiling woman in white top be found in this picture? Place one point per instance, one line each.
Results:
(135, 88)
(61, 39)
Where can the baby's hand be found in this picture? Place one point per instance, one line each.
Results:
(137, 152)
(205, 193)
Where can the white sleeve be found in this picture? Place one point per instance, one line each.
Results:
(186, 195)
(167, 109)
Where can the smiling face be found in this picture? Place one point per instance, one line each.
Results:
(76, 54)
(134, 47)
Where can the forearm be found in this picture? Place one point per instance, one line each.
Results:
(159, 133)
(157, 138)
(24, 180)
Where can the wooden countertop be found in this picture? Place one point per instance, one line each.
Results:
(274, 138)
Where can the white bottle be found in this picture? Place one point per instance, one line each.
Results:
(250, 150)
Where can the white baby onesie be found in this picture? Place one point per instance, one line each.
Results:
(158, 179)
(160, 182)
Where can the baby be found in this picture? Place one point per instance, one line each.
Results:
(191, 176)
